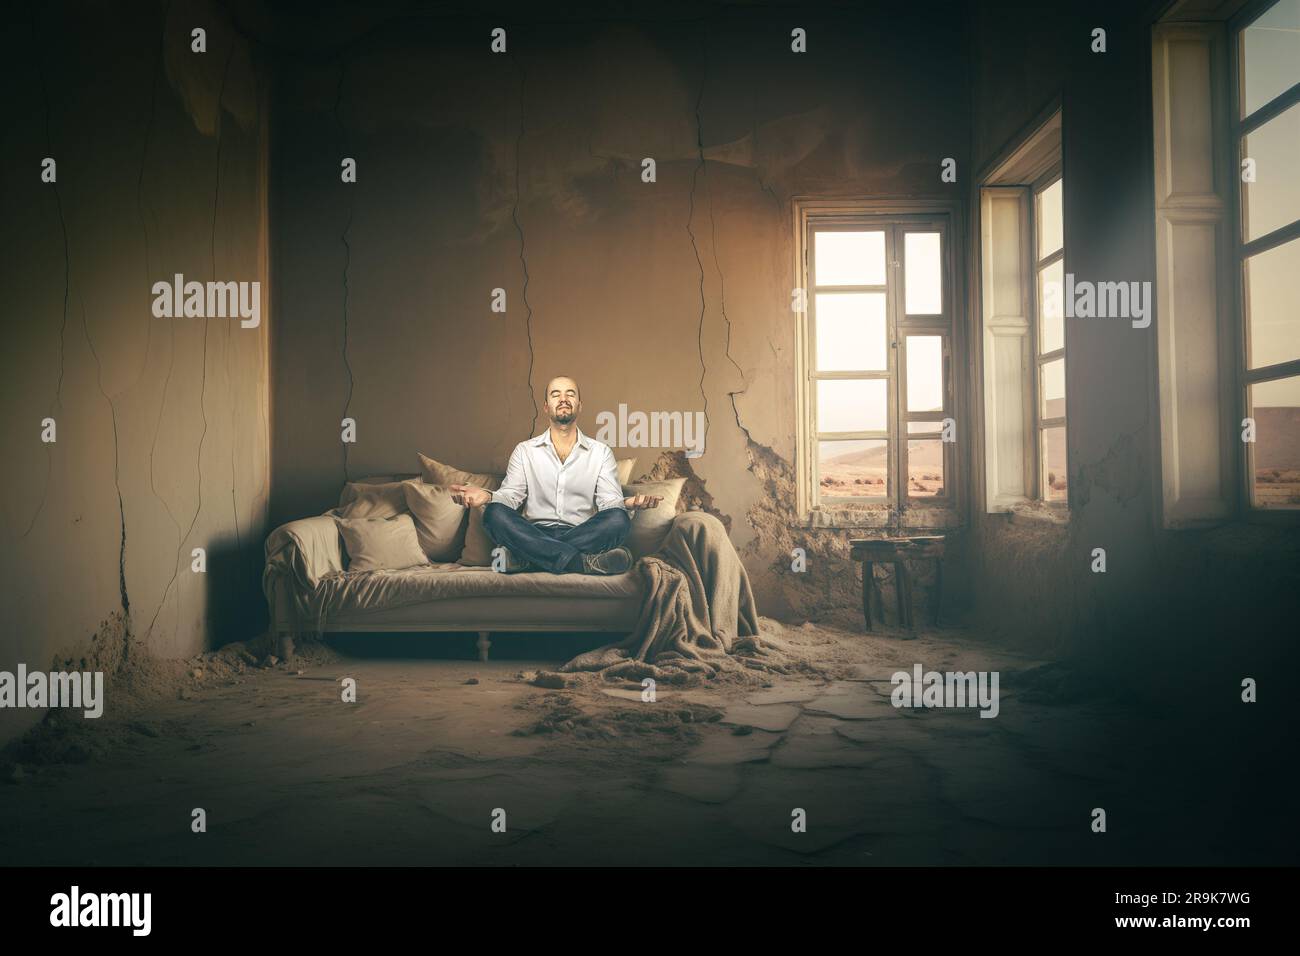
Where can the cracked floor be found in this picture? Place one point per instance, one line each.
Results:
(589, 774)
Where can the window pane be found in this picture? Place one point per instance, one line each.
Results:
(1273, 199)
(1270, 55)
(1051, 308)
(924, 468)
(851, 332)
(1052, 389)
(853, 468)
(1272, 294)
(849, 258)
(924, 428)
(1275, 407)
(852, 405)
(1050, 220)
(924, 273)
(1054, 470)
(925, 373)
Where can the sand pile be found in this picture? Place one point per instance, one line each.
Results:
(776, 651)
(134, 681)
(614, 719)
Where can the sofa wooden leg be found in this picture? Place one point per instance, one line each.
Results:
(284, 645)
(483, 645)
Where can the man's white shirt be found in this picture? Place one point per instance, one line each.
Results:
(571, 490)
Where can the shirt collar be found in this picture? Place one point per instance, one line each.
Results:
(545, 439)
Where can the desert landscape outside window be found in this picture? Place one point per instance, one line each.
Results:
(881, 325)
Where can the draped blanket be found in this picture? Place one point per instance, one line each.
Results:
(697, 603)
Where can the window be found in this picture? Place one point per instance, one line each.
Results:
(1226, 101)
(1049, 339)
(876, 361)
(1022, 270)
(1266, 139)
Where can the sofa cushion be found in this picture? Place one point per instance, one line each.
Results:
(437, 473)
(367, 499)
(345, 595)
(477, 552)
(650, 525)
(625, 466)
(439, 521)
(381, 544)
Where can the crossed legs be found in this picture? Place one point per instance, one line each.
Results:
(558, 550)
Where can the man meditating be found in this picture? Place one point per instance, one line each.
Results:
(575, 516)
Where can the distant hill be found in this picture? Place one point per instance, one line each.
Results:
(1277, 449)
(929, 453)
(1277, 438)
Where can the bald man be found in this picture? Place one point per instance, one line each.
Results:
(575, 516)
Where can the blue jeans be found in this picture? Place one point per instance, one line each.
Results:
(556, 548)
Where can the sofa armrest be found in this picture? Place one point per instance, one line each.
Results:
(305, 551)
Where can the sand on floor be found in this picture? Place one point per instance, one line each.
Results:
(507, 762)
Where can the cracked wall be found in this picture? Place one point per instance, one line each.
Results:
(523, 171)
(162, 424)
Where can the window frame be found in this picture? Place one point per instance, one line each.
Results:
(1039, 358)
(896, 507)
(1006, 319)
(1242, 250)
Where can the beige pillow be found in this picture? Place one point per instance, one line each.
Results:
(436, 473)
(439, 521)
(625, 466)
(650, 526)
(381, 544)
(477, 552)
(362, 499)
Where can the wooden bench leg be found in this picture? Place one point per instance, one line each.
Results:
(483, 645)
(868, 585)
(903, 591)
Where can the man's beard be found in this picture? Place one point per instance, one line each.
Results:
(563, 418)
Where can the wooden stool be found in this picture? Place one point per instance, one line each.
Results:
(895, 551)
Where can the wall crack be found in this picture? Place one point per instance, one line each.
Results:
(523, 258)
(690, 216)
(203, 376)
(117, 482)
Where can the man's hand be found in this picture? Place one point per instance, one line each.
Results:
(470, 495)
(642, 501)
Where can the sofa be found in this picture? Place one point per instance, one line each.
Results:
(312, 590)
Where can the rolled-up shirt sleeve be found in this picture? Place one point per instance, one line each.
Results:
(514, 487)
(609, 493)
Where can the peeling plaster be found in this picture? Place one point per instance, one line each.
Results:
(1121, 472)
(695, 496)
(202, 91)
